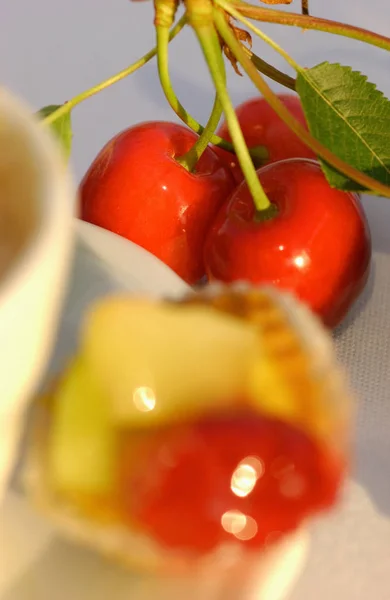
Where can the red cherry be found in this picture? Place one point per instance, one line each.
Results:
(136, 189)
(261, 126)
(318, 244)
(249, 478)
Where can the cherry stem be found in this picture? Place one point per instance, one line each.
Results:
(268, 15)
(189, 159)
(177, 107)
(225, 4)
(65, 108)
(200, 16)
(270, 71)
(283, 112)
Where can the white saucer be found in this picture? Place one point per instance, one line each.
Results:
(350, 557)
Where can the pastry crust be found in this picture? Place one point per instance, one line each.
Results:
(300, 360)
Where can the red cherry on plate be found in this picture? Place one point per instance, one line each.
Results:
(261, 126)
(136, 189)
(244, 478)
(317, 245)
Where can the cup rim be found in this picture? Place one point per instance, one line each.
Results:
(55, 187)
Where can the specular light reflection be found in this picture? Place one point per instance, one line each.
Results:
(243, 527)
(245, 476)
(243, 482)
(144, 399)
(301, 260)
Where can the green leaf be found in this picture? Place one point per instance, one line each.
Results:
(349, 116)
(62, 127)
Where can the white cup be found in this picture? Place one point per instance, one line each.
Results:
(37, 200)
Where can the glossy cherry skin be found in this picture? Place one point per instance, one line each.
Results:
(136, 189)
(261, 126)
(318, 245)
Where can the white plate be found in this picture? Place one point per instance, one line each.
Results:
(350, 557)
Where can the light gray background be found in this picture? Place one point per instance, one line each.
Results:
(51, 50)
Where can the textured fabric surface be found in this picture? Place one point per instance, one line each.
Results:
(350, 554)
(363, 345)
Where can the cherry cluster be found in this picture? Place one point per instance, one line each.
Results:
(254, 198)
(204, 222)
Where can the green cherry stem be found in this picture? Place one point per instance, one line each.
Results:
(68, 106)
(225, 4)
(209, 42)
(165, 80)
(278, 106)
(270, 71)
(190, 158)
(177, 107)
(268, 15)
